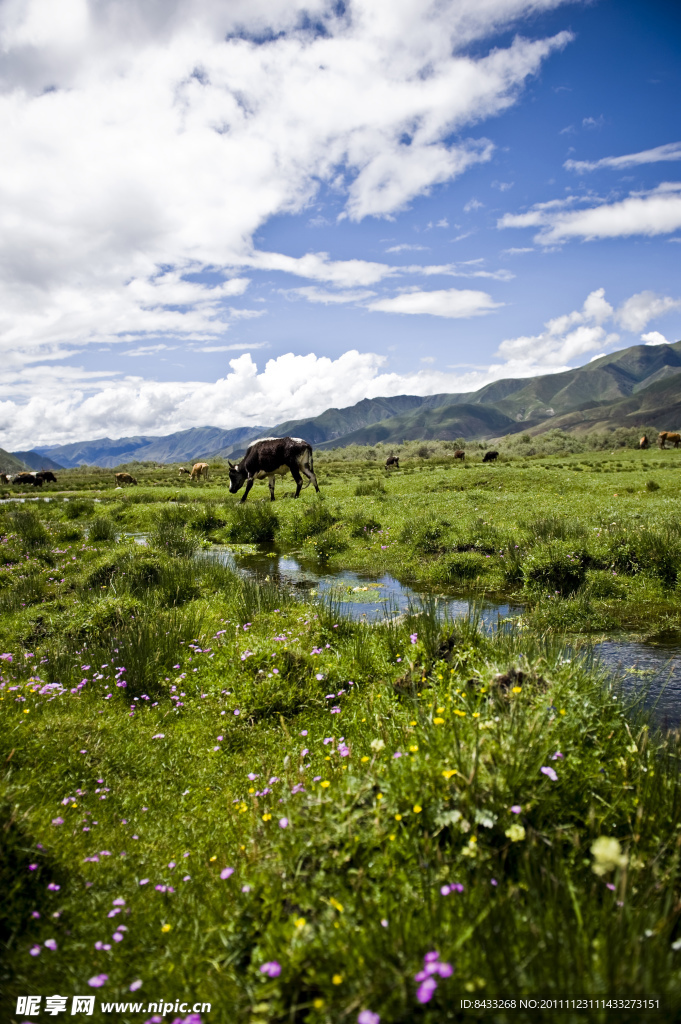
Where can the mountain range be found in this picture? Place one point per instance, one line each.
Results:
(635, 386)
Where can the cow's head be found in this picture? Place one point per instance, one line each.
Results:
(237, 477)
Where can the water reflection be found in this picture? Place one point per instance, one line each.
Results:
(651, 669)
(357, 595)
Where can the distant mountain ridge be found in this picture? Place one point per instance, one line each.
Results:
(640, 384)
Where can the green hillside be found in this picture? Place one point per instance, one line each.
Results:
(9, 463)
(637, 385)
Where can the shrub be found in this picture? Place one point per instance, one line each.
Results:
(206, 519)
(556, 528)
(363, 525)
(77, 507)
(369, 487)
(651, 485)
(170, 532)
(253, 523)
(102, 528)
(427, 536)
(464, 565)
(30, 529)
(331, 542)
(316, 518)
(554, 566)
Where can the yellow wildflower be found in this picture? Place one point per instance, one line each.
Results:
(438, 721)
(213, 858)
(607, 854)
(417, 808)
(364, 759)
(318, 1004)
(413, 748)
(398, 817)
(166, 927)
(336, 905)
(337, 979)
(299, 922)
(516, 689)
(461, 714)
(325, 784)
(449, 772)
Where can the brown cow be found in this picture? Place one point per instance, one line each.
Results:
(125, 478)
(199, 469)
(644, 442)
(665, 436)
(490, 456)
(4, 478)
(460, 454)
(392, 460)
(28, 478)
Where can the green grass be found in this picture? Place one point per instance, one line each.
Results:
(105, 785)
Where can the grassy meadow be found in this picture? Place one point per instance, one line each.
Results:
(242, 798)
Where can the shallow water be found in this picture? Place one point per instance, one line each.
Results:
(652, 669)
(358, 596)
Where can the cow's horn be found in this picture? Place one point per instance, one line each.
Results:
(231, 464)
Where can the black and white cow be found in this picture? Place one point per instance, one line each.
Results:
(270, 457)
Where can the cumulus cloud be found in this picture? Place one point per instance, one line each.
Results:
(640, 309)
(63, 403)
(453, 303)
(573, 335)
(565, 337)
(670, 151)
(654, 338)
(656, 212)
(289, 386)
(144, 142)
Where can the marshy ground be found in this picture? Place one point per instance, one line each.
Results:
(206, 772)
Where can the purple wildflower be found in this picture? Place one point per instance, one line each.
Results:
(550, 772)
(98, 980)
(414, 639)
(426, 989)
(34, 950)
(135, 985)
(368, 1017)
(272, 969)
(283, 823)
(516, 809)
(226, 872)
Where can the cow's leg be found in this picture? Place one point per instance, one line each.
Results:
(297, 477)
(249, 484)
(271, 486)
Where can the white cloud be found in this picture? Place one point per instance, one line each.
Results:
(640, 309)
(670, 151)
(473, 204)
(573, 335)
(654, 338)
(288, 387)
(139, 136)
(404, 246)
(313, 294)
(451, 302)
(642, 213)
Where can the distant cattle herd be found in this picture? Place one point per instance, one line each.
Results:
(269, 457)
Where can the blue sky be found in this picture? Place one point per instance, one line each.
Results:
(240, 213)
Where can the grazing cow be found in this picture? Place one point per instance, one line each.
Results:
(665, 436)
(182, 471)
(125, 478)
(4, 478)
(490, 456)
(47, 476)
(270, 457)
(392, 460)
(460, 454)
(199, 469)
(644, 442)
(28, 478)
